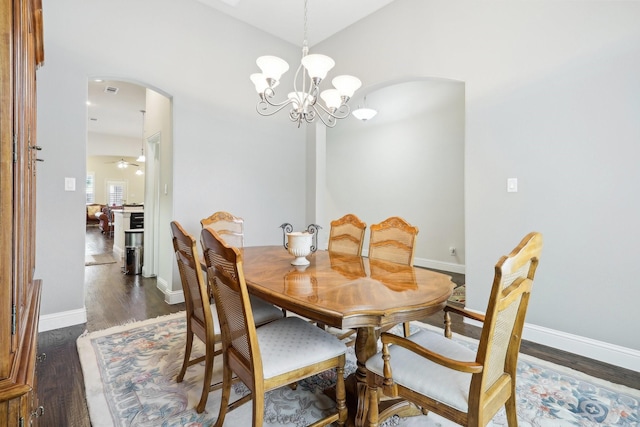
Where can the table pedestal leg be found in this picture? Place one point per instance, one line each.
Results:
(356, 385)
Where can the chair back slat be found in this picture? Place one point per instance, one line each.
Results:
(393, 240)
(504, 319)
(239, 338)
(229, 227)
(193, 285)
(347, 235)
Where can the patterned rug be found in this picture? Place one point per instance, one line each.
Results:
(129, 373)
(459, 295)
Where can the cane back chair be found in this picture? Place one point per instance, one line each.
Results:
(447, 378)
(277, 354)
(202, 319)
(393, 240)
(347, 235)
(228, 226)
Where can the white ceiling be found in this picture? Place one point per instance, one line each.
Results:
(285, 18)
(119, 114)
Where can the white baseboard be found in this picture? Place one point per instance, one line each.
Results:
(439, 265)
(170, 297)
(63, 319)
(612, 354)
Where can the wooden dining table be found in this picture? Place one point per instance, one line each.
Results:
(347, 292)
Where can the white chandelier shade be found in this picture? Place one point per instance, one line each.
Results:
(364, 114)
(313, 69)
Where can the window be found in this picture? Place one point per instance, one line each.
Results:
(91, 188)
(116, 193)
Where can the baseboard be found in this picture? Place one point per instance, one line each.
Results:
(170, 297)
(612, 354)
(439, 265)
(63, 319)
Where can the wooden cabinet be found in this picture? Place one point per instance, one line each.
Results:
(21, 52)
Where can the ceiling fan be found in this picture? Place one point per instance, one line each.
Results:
(122, 163)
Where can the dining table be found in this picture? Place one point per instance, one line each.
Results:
(347, 292)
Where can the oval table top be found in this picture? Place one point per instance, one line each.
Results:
(345, 291)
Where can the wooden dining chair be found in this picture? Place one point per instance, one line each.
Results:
(228, 226)
(393, 240)
(277, 354)
(202, 319)
(443, 376)
(347, 235)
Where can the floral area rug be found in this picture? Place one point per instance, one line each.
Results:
(130, 371)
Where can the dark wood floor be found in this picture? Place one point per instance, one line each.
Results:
(112, 298)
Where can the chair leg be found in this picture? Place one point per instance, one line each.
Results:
(406, 329)
(208, 373)
(226, 393)
(510, 407)
(258, 409)
(187, 356)
(372, 412)
(341, 396)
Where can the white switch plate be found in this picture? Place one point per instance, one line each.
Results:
(69, 184)
(512, 185)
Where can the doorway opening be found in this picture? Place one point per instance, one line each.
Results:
(128, 142)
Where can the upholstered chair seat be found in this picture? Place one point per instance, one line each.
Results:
(292, 343)
(432, 375)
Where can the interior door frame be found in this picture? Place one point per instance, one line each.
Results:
(151, 255)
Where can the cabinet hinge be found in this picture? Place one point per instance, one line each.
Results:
(21, 422)
(13, 319)
(15, 148)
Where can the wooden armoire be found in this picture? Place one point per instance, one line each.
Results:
(21, 53)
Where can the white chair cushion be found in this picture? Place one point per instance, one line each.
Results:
(290, 343)
(263, 312)
(425, 377)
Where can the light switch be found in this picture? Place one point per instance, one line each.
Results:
(69, 184)
(512, 185)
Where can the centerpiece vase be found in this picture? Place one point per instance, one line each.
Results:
(299, 245)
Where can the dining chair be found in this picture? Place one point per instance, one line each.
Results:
(277, 354)
(441, 375)
(231, 229)
(393, 240)
(347, 235)
(228, 226)
(202, 320)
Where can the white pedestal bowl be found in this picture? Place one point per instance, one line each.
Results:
(299, 245)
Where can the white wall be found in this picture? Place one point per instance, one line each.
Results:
(407, 161)
(552, 98)
(225, 156)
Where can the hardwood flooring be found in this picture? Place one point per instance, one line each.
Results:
(112, 298)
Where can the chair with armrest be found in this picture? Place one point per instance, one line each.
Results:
(277, 354)
(228, 226)
(393, 240)
(347, 235)
(202, 320)
(445, 377)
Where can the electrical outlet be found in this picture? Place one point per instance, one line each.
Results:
(452, 251)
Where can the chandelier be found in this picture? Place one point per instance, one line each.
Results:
(303, 100)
